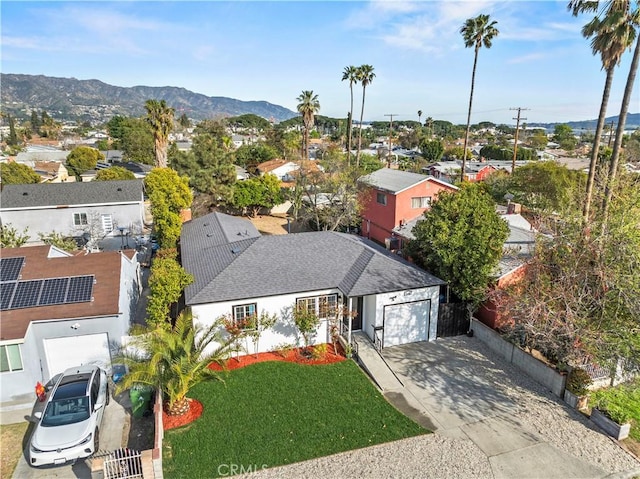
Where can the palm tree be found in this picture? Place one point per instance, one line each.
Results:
(350, 73)
(174, 361)
(476, 32)
(632, 19)
(308, 107)
(611, 36)
(419, 117)
(365, 77)
(160, 117)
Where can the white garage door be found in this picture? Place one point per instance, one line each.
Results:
(406, 322)
(64, 353)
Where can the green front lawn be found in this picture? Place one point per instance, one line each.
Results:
(276, 413)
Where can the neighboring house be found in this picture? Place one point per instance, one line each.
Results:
(517, 250)
(238, 273)
(280, 168)
(52, 171)
(29, 157)
(61, 310)
(241, 173)
(72, 209)
(393, 198)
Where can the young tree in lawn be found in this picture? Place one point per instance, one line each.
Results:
(307, 322)
(13, 173)
(476, 32)
(176, 359)
(160, 118)
(460, 240)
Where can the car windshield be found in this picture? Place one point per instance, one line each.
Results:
(61, 412)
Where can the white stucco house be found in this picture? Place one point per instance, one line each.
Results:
(72, 209)
(60, 310)
(238, 273)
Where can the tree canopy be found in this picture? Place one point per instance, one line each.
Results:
(134, 137)
(114, 173)
(83, 158)
(461, 240)
(259, 192)
(13, 173)
(249, 156)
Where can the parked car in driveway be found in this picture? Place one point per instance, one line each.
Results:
(69, 427)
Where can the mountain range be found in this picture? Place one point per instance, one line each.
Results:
(96, 102)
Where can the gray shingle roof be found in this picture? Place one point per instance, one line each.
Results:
(256, 266)
(393, 181)
(56, 194)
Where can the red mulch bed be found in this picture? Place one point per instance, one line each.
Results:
(171, 422)
(293, 356)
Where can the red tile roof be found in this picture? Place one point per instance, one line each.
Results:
(105, 266)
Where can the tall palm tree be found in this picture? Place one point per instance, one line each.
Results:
(631, 18)
(365, 77)
(174, 361)
(419, 117)
(160, 117)
(308, 107)
(350, 73)
(611, 36)
(476, 32)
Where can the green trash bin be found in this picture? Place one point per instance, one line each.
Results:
(140, 398)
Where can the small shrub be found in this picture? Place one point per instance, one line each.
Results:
(620, 403)
(319, 351)
(578, 382)
(283, 349)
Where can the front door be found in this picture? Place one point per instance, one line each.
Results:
(356, 322)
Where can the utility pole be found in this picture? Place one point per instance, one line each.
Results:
(390, 115)
(610, 134)
(515, 143)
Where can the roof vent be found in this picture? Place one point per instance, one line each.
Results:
(235, 250)
(25, 194)
(119, 189)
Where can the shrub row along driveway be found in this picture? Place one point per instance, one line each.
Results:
(490, 420)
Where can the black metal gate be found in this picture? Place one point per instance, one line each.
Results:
(453, 319)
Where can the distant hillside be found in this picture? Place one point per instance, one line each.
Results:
(96, 101)
(633, 122)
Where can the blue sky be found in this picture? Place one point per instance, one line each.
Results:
(259, 50)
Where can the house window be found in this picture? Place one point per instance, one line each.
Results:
(10, 358)
(323, 306)
(244, 313)
(381, 198)
(80, 219)
(421, 202)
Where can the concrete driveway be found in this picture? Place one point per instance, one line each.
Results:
(465, 392)
(111, 436)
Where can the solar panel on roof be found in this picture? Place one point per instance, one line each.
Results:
(54, 291)
(6, 293)
(27, 294)
(10, 268)
(80, 289)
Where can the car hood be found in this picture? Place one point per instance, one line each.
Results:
(61, 437)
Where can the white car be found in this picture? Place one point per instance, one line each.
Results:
(69, 428)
